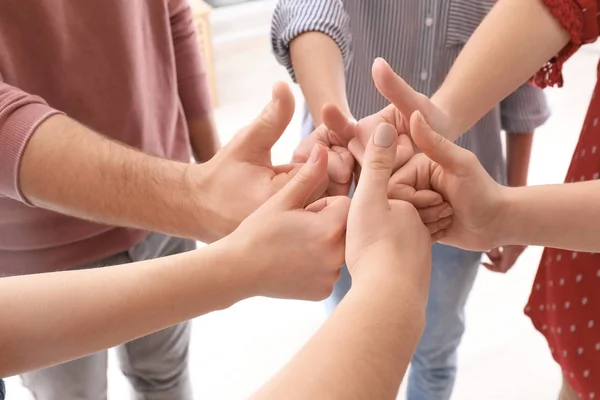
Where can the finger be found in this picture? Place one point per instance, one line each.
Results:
(490, 267)
(263, 133)
(335, 211)
(436, 147)
(435, 237)
(342, 127)
(340, 165)
(404, 151)
(426, 198)
(418, 198)
(439, 225)
(435, 213)
(494, 254)
(296, 193)
(357, 149)
(378, 163)
(397, 91)
(284, 173)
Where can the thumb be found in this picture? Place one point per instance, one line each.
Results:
(296, 193)
(397, 91)
(260, 136)
(377, 166)
(435, 146)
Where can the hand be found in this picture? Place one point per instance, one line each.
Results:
(503, 258)
(241, 177)
(455, 173)
(405, 100)
(386, 238)
(288, 249)
(341, 161)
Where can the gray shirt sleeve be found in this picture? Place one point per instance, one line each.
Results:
(524, 110)
(295, 17)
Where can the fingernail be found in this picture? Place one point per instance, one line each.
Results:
(447, 212)
(420, 116)
(352, 121)
(314, 155)
(384, 136)
(444, 223)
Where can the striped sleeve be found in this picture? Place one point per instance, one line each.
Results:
(524, 110)
(295, 17)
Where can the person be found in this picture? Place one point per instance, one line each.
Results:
(212, 278)
(89, 61)
(73, 199)
(507, 49)
(317, 40)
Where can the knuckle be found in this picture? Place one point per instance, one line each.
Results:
(378, 164)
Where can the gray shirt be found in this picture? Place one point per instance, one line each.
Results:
(420, 39)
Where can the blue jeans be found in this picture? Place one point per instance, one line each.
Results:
(434, 364)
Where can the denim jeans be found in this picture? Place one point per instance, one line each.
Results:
(434, 364)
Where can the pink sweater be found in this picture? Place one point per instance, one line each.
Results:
(129, 69)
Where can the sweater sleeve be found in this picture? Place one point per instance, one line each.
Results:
(192, 77)
(295, 17)
(20, 114)
(579, 18)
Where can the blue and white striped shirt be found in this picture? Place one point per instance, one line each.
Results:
(420, 39)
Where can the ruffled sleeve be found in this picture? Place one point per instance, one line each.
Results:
(579, 18)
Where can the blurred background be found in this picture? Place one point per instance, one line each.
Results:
(237, 350)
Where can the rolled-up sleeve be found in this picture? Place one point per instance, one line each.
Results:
(524, 110)
(192, 77)
(295, 17)
(20, 115)
(581, 20)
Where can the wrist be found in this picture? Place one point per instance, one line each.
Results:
(403, 296)
(208, 223)
(385, 276)
(246, 269)
(451, 127)
(504, 226)
(235, 281)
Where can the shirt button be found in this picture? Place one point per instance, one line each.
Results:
(428, 21)
(424, 75)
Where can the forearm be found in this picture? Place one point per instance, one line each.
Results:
(204, 138)
(319, 69)
(518, 153)
(72, 170)
(362, 351)
(561, 216)
(511, 44)
(51, 318)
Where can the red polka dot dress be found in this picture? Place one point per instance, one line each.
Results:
(565, 300)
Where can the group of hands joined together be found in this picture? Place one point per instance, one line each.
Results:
(293, 226)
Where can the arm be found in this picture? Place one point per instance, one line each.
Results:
(312, 40)
(363, 349)
(73, 314)
(68, 168)
(518, 152)
(193, 85)
(50, 161)
(512, 43)
(54, 317)
(562, 216)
